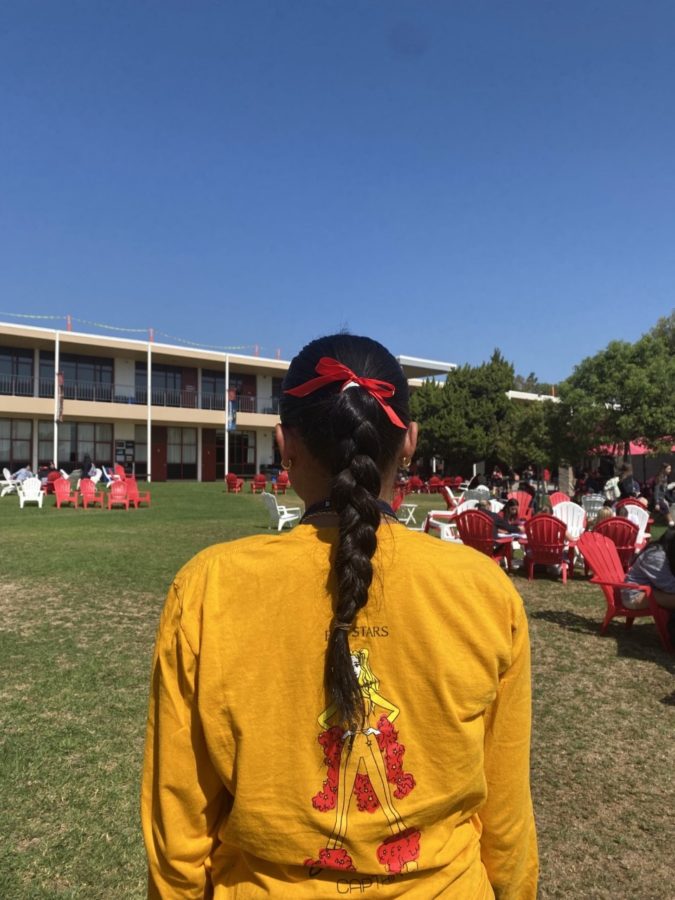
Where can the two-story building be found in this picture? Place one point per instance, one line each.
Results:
(167, 412)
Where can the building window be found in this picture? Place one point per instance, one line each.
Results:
(181, 452)
(45, 443)
(16, 372)
(76, 440)
(84, 377)
(242, 452)
(213, 389)
(167, 384)
(16, 438)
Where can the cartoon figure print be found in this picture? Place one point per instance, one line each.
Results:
(364, 766)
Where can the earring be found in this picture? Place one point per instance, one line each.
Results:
(405, 461)
(286, 466)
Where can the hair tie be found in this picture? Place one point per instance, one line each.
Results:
(341, 626)
(330, 370)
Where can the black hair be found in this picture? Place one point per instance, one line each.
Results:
(349, 434)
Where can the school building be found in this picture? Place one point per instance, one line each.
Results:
(163, 411)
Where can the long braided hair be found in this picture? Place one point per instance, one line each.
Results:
(348, 433)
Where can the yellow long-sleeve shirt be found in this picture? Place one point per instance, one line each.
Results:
(249, 788)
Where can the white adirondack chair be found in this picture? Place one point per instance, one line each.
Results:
(8, 484)
(465, 504)
(592, 504)
(279, 515)
(30, 491)
(573, 516)
(640, 516)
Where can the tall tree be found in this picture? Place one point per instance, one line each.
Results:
(466, 419)
(625, 392)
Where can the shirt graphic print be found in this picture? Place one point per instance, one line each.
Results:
(365, 775)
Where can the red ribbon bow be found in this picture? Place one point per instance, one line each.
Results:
(331, 370)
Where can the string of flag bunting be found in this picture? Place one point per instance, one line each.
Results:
(151, 332)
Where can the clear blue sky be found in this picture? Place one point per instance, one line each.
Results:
(445, 176)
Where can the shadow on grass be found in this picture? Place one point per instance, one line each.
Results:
(634, 643)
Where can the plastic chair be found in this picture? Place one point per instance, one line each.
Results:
(524, 503)
(88, 494)
(30, 491)
(435, 484)
(476, 529)
(557, 497)
(603, 558)
(282, 483)
(451, 501)
(259, 484)
(9, 485)
(592, 504)
(416, 484)
(623, 534)
(234, 483)
(135, 496)
(546, 544)
(638, 514)
(64, 493)
(404, 511)
(464, 505)
(279, 515)
(573, 516)
(118, 495)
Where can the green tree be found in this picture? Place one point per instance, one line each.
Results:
(624, 392)
(467, 418)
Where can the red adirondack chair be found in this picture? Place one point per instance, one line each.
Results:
(603, 558)
(524, 503)
(88, 494)
(476, 529)
(623, 534)
(119, 471)
(64, 493)
(451, 501)
(234, 483)
(435, 484)
(259, 484)
(118, 495)
(557, 497)
(282, 483)
(135, 496)
(416, 484)
(545, 544)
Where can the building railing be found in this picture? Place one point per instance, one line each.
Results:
(188, 398)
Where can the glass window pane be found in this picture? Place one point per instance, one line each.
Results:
(5, 429)
(104, 431)
(23, 429)
(45, 431)
(85, 431)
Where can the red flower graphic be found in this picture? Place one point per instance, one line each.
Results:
(332, 859)
(399, 849)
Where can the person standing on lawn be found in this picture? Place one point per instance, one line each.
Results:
(346, 706)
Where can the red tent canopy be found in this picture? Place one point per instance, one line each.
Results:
(637, 448)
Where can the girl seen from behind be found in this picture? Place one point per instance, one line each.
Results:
(347, 703)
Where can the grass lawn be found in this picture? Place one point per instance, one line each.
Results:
(80, 595)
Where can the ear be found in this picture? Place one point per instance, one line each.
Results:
(410, 440)
(286, 441)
